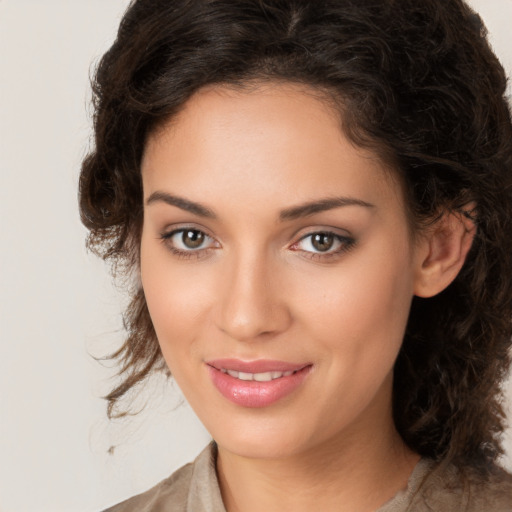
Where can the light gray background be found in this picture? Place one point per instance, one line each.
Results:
(57, 304)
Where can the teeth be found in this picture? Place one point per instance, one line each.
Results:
(259, 377)
(266, 377)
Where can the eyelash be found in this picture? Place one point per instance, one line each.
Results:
(345, 244)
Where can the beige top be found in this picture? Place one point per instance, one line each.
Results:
(194, 488)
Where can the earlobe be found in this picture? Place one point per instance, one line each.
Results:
(442, 252)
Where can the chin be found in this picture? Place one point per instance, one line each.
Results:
(264, 447)
(262, 438)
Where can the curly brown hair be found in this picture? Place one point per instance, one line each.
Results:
(415, 81)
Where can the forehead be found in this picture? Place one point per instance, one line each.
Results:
(221, 110)
(281, 142)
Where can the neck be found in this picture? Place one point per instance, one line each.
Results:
(357, 471)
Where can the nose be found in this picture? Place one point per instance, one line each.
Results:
(253, 304)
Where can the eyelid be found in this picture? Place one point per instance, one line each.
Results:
(337, 236)
(312, 230)
(175, 232)
(180, 226)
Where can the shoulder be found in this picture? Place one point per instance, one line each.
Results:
(177, 493)
(447, 489)
(172, 490)
(493, 493)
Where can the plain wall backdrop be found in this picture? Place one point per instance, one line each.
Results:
(58, 453)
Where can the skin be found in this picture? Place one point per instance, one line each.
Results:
(257, 288)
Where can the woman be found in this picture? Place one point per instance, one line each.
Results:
(315, 200)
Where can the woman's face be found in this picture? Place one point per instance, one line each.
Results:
(278, 270)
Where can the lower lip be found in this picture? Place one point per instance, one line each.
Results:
(250, 393)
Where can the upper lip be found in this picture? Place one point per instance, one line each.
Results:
(256, 366)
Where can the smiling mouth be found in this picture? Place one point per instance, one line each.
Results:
(256, 383)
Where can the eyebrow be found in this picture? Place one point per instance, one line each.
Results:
(321, 205)
(291, 213)
(182, 203)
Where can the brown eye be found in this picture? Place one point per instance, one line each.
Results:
(188, 240)
(322, 242)
(192, 238)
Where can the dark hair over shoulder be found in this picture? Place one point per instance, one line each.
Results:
(414, 80)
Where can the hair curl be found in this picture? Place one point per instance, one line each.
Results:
(417, 82)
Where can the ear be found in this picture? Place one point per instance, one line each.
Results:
(442, 250)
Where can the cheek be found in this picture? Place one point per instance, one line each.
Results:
(361, 310)
(177, 297)
(357, 325)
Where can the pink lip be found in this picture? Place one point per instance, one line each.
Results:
(253, 393)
